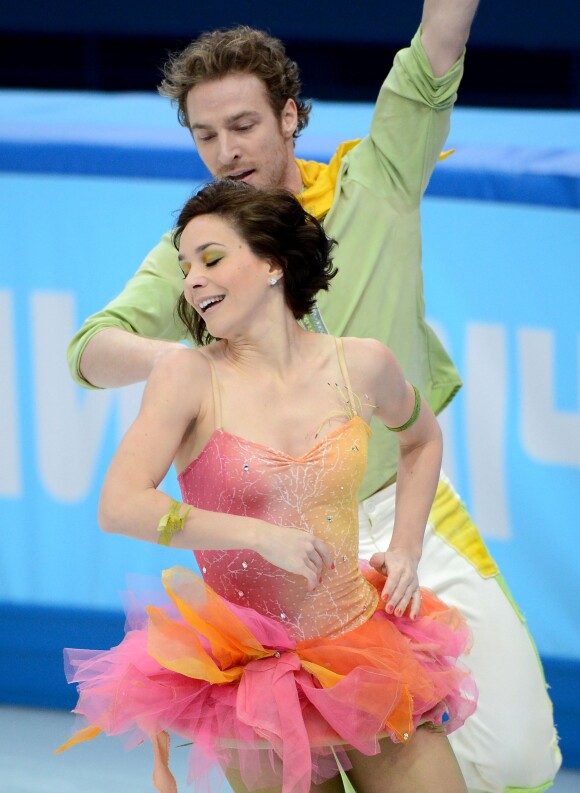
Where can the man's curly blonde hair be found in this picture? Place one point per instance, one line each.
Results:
(238, 50)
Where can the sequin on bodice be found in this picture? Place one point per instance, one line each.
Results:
(317, 493)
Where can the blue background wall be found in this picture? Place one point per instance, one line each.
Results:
(524, 53)
(525, 23)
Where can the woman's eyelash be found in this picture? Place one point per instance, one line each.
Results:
(186, 268)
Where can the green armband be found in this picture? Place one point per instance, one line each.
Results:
(414, 414)
(171, 523)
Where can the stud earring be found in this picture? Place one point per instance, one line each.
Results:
(273, 281)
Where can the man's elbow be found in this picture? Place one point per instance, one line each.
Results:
(75, 365)
(88, 361)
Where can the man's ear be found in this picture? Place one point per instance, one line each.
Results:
(289, 118)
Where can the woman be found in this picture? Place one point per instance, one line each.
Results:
(286, 664)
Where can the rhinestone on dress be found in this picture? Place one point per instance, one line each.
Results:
(245, 565)
(406, 736)
(345, 558)
(284, 616)
(277, 654)
(240, 593)
(329, 518)
(204, 569)
(246, 467)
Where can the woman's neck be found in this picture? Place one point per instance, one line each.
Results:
(275, 350)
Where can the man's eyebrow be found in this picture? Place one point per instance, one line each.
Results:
(229, 120)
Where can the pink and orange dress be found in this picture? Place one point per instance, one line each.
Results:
(258, 673)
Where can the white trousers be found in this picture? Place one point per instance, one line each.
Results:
(510, 741)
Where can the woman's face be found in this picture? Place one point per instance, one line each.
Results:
(225, 282)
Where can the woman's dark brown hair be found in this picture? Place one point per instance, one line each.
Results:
(275, 227)
(239, 50)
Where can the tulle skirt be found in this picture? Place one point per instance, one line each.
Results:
(233, 683)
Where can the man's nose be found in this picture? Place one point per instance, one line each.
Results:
(228, 150)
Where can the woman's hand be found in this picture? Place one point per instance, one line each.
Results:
(402, 584)
(297, 551)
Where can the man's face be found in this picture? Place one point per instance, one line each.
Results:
(237, 134)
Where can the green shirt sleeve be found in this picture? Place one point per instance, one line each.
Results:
(146, 306)
(376, 220)
(409, 127)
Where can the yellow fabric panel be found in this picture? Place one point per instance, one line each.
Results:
(451, 522)
(86, 734)
(319, 179)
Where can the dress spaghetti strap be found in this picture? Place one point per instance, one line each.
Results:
(344, 373)
(215, 387)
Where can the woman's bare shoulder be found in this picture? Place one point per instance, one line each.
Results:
(179, 378)
(364, 354)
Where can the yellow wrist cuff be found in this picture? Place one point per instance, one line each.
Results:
(171, 523)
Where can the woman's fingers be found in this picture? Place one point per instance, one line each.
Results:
(398, 599)
(300, 552)
(401, 602)
(324, 553)
(401, 584)
(311, 573)
(318, 557)
(415, 604)
(377, 561)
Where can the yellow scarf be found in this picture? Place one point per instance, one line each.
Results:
(319, 179)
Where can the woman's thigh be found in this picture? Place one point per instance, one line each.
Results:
(333, 785)
(424, 765)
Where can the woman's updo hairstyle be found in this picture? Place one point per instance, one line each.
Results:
(275, 227)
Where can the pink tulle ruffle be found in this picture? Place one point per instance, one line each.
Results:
(233, 683)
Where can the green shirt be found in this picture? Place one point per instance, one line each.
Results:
(375, 218)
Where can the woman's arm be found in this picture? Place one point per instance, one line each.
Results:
(131, 504)
(420, 449)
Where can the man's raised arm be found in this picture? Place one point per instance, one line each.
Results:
(445, 29)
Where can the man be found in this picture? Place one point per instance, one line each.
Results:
(239, 94)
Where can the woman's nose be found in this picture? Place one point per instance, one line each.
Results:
(196, 277)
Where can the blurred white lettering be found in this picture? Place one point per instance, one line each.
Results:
(447, 417)
(10, 456)
(71, 422)
(548, 435)
(486, 393)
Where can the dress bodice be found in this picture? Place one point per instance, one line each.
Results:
(317, 493)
